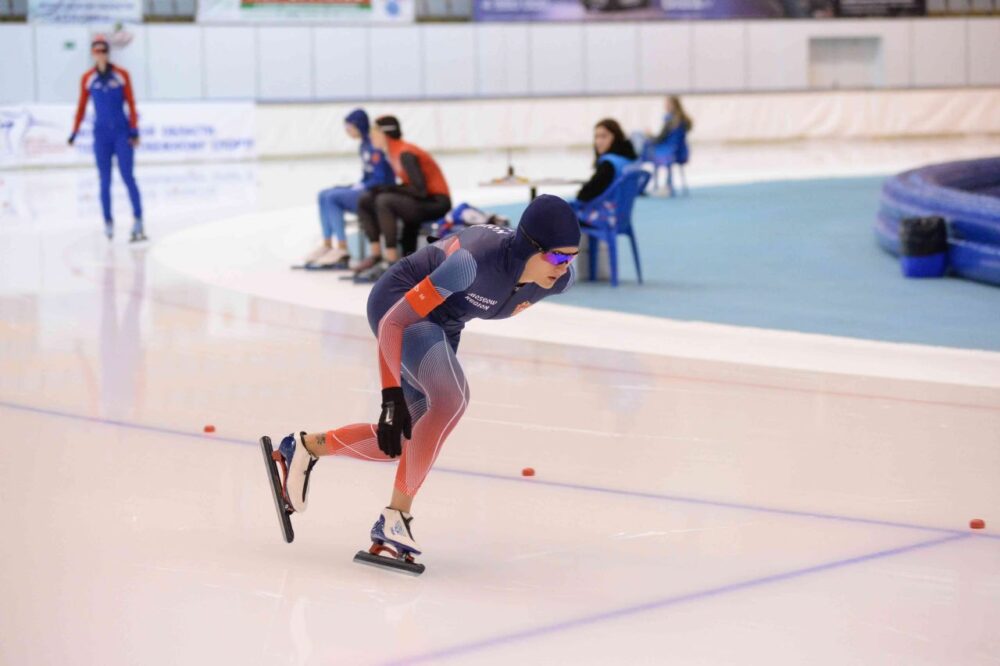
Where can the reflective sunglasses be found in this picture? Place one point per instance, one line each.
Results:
(99, 50)
(554, 258)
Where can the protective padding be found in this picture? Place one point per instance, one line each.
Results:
(965, 194)
(931, 265)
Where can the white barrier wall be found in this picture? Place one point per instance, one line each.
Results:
(36, 134)
(43, 63)
(316, 129)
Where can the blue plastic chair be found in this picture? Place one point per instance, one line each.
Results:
(610, 215)
(665, 155)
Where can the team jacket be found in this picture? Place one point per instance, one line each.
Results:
(417, 169)
(110, 90)
(376, 168)
(471, 275)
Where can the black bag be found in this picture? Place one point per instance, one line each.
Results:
(923, 236)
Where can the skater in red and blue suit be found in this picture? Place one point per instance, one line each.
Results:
(417, 311)
(115, 135)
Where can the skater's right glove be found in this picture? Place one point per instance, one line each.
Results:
(394, 423)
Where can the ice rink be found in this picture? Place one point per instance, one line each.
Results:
(703, 494)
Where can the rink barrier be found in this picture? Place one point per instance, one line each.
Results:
(967, 195)
(286, 131)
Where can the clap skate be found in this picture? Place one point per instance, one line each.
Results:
(393, 545)
(291, 487)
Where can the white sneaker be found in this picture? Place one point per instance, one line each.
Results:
(297, 466)
(333, 257)
(393, 528)
(316, 254)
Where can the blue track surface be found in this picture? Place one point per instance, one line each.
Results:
(791, 255)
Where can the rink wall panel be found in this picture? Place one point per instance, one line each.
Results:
(287, 130)
(316, 129)
(413, 62)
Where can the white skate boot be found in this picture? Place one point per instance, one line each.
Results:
(333, 259)
(296, 465)
(315, 254)
(393, 544)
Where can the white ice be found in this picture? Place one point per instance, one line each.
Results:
(802, 507)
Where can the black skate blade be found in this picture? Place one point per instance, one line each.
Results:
(364, 557)
(309, 267)
(274, 480)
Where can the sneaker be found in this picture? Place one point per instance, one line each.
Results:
(333, 258)
(393, 528)
(296, 466)
(315, 254)
(372, 274)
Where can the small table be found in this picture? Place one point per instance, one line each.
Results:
(532, 183)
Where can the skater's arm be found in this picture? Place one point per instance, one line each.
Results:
(81, 106)
(456, 273)
(417, 184)
(390, 339)
(133, 114)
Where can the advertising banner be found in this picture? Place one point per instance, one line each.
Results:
(35, 135)
(595, 10)
(270, 11)
(85, 11)
(881, 7)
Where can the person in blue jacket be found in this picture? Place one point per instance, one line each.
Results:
(612, 153)
(670, 146)
(110, 87)
(335, 200)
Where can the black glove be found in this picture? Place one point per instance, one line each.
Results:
(394, 423)
(72, 138)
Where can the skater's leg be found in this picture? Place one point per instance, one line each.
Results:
(342, 199)
(325, 203)
(104, 148)
(430, 365)
(369, 225)
(388, 221)
(360, 440)
(125, 154)
(437, 395)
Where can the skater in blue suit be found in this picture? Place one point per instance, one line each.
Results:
(115, 135)
(333, 202)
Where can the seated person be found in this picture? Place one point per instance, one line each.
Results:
(612, 153)
(422, 197)
(670, 145)
(461, 217)
(335, 200)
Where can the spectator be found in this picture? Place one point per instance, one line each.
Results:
(669, 147)
(422, 197)
(333, 202)
(612, 153)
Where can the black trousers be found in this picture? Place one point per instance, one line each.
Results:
(379, 214)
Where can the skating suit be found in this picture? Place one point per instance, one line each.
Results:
(110, 92)
(417, 311)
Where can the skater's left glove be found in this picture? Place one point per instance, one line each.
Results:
(394, 423)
